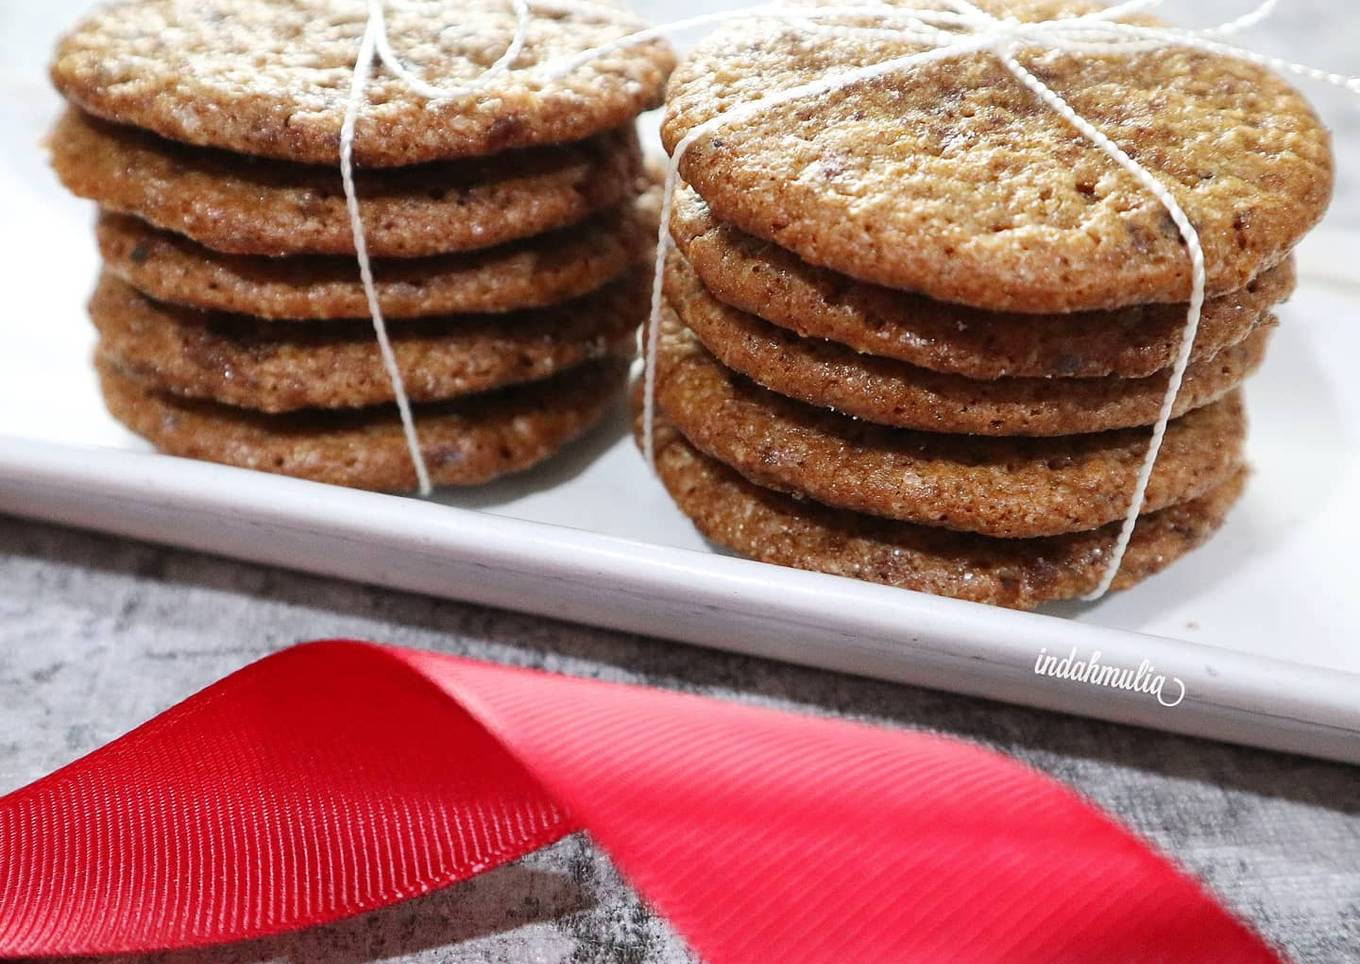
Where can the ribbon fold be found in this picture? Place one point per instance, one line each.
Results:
(338, 777)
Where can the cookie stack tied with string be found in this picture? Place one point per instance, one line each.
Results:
(917, 329)
(500, 212)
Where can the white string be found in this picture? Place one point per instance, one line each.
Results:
(362, 68)
(959, 28)
(1115, 11)
(919, 18)
(375, 42)
(1249, 19)
(1197, 283)
(1171, 37)
(429, 91)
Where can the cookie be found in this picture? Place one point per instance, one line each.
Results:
(1006, 487)
(532, 273)
(954, 181)
(1019, 573)
(1134, 342)
(890, 392)
(246, 205)
(241, 361)
(272, 77)
(465, 442)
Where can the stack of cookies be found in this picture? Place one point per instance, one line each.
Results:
(916, 330)
(504, 229)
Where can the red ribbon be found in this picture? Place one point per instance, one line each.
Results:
(339, 777)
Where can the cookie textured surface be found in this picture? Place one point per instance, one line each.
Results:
(890, 392)
(526, 274)
(466, 442)
(1134, 342)
(271, 77)
(260, 365)
(252, 206)
(1019, 573)
(1006, 487)
(952, 180)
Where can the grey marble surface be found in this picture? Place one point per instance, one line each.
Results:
(97, 634)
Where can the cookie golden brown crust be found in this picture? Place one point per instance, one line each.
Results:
(241, 361)
(532, 273)
(952, 180)
(466, 442)
(244, 205)
(757, 276)
(889, 392)
(1018, 573)
(271, 77)
(1006, 487)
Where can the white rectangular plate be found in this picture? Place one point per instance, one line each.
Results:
(1260, 625)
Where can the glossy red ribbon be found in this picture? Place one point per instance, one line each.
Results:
(339, 777)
